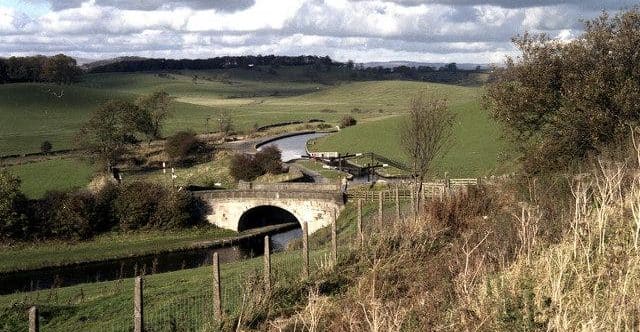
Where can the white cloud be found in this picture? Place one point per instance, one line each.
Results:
(364, 30)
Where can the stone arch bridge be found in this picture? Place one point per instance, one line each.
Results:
(252, 206)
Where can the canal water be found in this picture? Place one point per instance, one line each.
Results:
(293, 147)
(52, 277)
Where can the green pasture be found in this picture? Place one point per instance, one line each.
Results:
(105, 246)
(55, 174)
(476, 148)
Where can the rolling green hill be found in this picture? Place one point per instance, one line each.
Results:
(477, 148)
(31, 112)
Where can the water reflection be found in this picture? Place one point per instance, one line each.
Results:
(149, 264)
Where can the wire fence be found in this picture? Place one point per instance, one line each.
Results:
(242, 285)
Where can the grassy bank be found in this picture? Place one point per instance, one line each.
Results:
(477, 148)
(55, 174)
(105, 246)
(181, 297)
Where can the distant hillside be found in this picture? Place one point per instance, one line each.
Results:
(91, 64)
(436, 65)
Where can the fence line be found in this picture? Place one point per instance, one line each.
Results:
(230, 294)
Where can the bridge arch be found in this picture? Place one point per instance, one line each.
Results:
(265, 215)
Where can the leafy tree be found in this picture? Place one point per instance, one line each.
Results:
(425, 133)
(61, 69)
(158, 107)
(563, 101)
(111, 131)
(14, 223)
(4, 75)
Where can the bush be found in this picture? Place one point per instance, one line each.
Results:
(142, 205)
(105, 218)
(136, 203)
(175, 209)
(71, 216)
(46, 147)
(14, 223)
(182, 144)
(268, 160)
(247, 167)
(243, 167)
(347, 121)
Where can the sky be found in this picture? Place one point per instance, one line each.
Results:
(463, 31)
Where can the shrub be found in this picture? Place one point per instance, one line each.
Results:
(175, 209)
(181, 145)
(105, 219)
(46, 147)
(347, 121)
(71, 216)
(248, 167)
(243, 167)
(268, 160)
(136, 203)
(14, 223)
(142, 205)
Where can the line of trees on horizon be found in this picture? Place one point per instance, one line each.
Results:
(59, 69)
(225, 62)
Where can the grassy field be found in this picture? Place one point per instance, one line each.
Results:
(476, 148)
(31, 113)
(105, 246)
(55, 174)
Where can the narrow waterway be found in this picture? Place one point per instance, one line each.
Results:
(293, 147)
(114, 269)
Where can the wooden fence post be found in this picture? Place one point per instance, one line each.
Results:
(217, 299)
(380, 202)
(34, 321)
(397, 204)
(305, 249)
(267, 264)
(413, 203)
(334, 239)
(138, 306)
(360, 234)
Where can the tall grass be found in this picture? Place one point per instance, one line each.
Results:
(482, 260)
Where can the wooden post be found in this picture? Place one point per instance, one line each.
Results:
(217, 299)
(334, 239)
(305, 250)
(380, 208)
(360, 235)
(267, 264)
(34, 322)
(397, 204)
(138, 307)
(413, 203)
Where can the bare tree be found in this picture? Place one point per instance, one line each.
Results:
(225, 123)
(426, 133)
